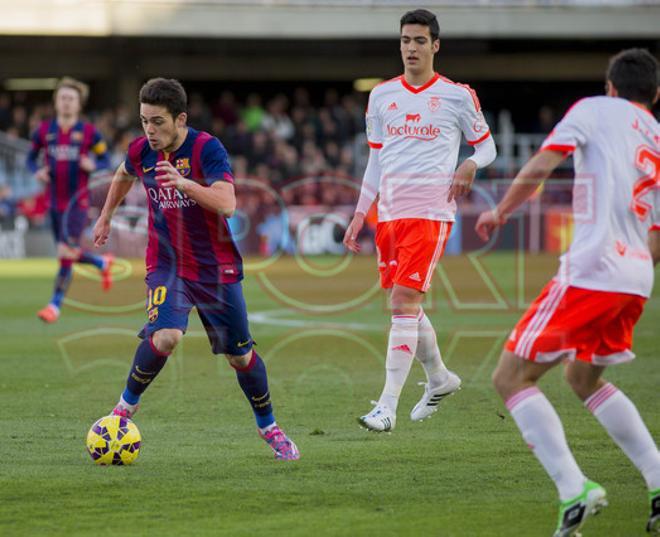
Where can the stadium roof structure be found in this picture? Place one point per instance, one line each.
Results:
(328, 19)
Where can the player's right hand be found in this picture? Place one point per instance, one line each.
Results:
(101, 231)
(486, 224)
(354, 228)
(42, 174)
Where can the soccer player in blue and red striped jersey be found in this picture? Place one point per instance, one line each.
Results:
(191, 257)
(68, 144)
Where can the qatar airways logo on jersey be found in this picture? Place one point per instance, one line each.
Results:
(414, 128)
(64, 152)
(170, 198)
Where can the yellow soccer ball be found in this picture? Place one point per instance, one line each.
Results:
(113, 440)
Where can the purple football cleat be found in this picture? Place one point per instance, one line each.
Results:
(284, 448)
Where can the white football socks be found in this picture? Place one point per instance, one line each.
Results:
(429, 355)
(401, 349)
(264, 430)
(623, 423)
(131, 408)
(542, 430)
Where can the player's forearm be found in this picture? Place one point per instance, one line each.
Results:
(484, 153)
(31, 160)
(220, 199)
(370, 183)
(528, 180)
(121, 184)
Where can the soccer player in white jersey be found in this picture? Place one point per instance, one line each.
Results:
(586, 314)
(414, 128)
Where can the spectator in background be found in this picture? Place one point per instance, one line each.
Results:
(253, 113)
(239, 139)
(226, 108)
(260, 150)
(5, 111)
(546, 120)
(289, 140)
(7, 205)
(199, 115)
(19, 121)
(276, 121)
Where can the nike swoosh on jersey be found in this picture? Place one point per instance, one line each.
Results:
(147, 170)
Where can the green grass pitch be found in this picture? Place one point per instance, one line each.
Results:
(322, 330)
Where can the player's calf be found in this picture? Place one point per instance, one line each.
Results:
(147, 363)
(253, 380)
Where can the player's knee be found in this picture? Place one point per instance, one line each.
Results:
(501, 382)
(510, 375)
(582, 384)
(239, 361)
(67, 252)
(405, 301)
(166, 340)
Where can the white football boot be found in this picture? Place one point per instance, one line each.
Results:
(429, 402)
(380, 419)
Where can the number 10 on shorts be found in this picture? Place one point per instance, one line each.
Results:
(156, 296)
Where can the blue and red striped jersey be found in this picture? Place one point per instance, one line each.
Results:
(63, 149)
(183, 235)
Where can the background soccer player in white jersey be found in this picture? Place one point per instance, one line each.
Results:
(586, 314)
(414, 128)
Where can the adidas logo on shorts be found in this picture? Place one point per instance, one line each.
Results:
(415, 277)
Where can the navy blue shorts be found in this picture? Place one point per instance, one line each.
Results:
(221, 308)
(68, 226)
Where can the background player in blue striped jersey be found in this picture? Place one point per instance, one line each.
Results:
(73, 149)
(191, 257)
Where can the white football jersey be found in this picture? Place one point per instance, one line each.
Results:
(418, 133)
(616, 194)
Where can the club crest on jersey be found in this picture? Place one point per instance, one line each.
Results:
(183, 166)
(434, 103)
(77, 136)
(153, 315)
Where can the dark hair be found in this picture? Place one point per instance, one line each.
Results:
(634, 73)
(166, 92)
(425, 18)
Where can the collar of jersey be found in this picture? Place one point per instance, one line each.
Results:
(190, 135)
(642, 108)
(420, 89)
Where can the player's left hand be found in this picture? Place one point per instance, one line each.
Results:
(170, 176)
(101, 231)
(87, 164)
(463, 179)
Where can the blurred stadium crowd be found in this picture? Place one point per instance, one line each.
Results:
(287, 150)
(273, 142)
